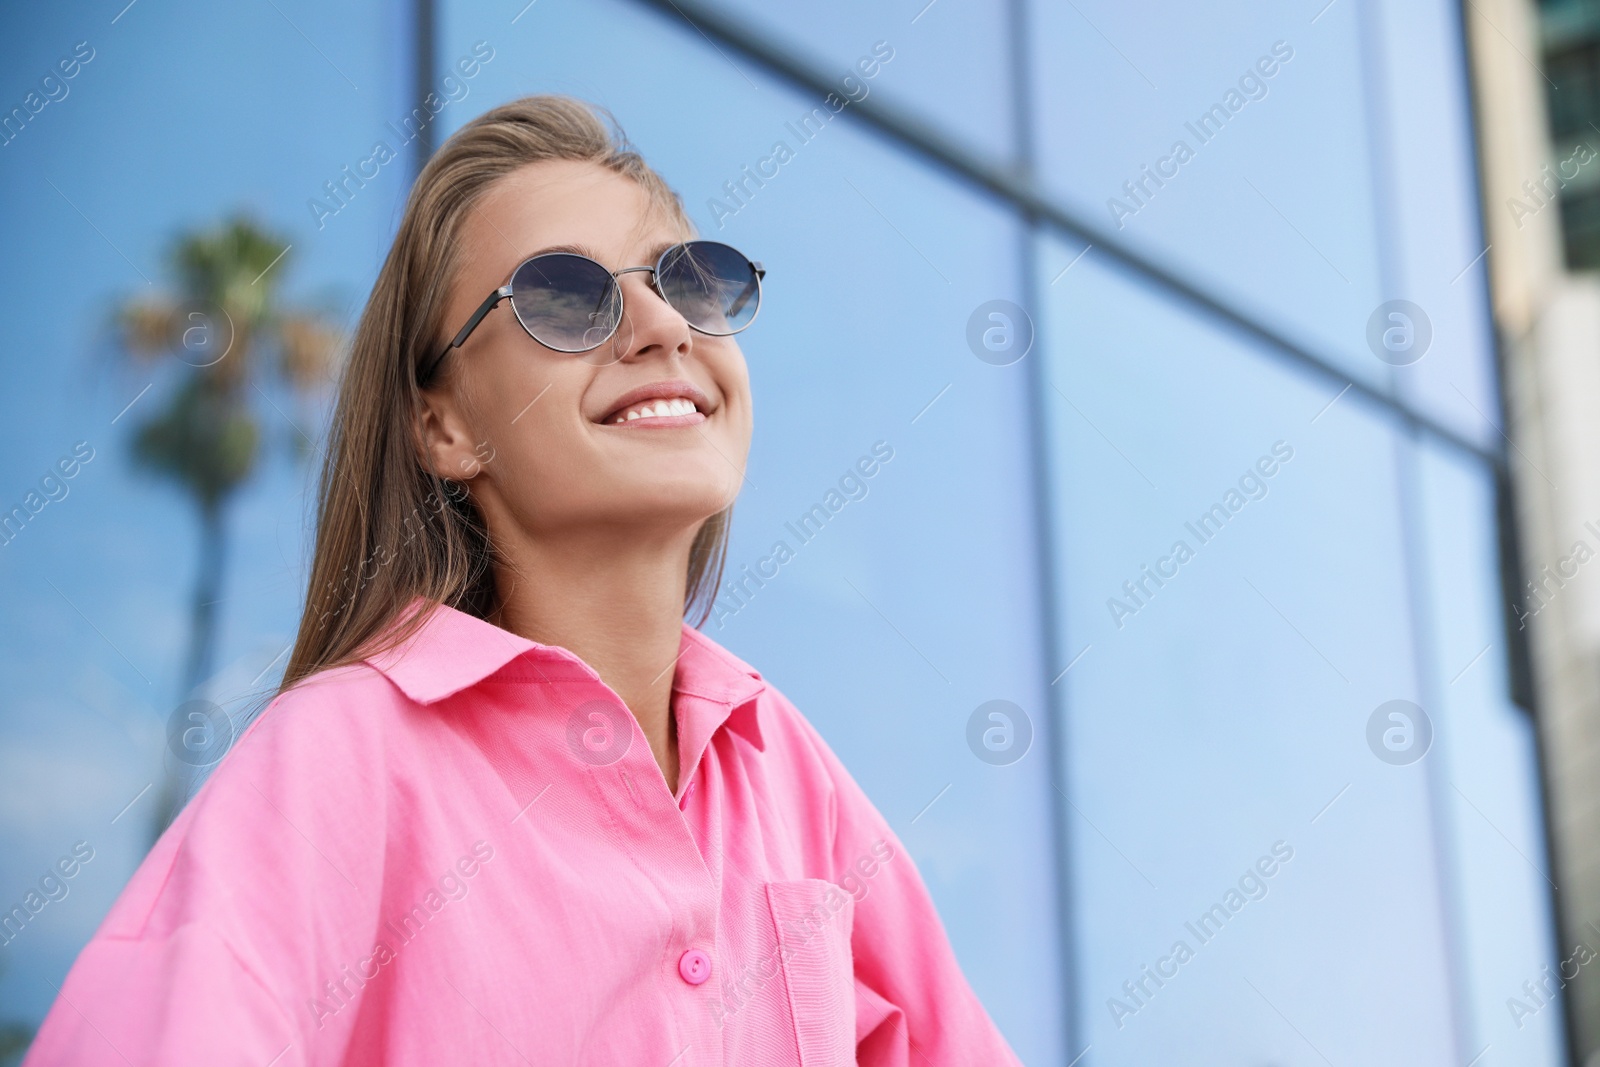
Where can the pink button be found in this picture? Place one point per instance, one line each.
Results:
(694, 966)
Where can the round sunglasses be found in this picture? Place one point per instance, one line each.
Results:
(570, 303)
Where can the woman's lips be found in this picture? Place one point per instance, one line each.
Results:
(660, 400)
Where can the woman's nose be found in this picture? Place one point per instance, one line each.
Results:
(648, 320)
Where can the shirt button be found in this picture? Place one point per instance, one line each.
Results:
(694, 966)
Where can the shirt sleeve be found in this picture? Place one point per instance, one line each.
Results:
(913, 1004)
(234, 941)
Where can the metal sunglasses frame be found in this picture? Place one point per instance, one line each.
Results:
(504, 293)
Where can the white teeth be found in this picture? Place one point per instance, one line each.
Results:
(660, 409)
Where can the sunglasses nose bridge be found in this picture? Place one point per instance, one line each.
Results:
(651, 281)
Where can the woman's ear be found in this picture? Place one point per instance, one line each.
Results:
(444, 434)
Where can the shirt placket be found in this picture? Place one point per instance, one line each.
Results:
(670, 858)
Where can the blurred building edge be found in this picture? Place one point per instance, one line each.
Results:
(1536, 75)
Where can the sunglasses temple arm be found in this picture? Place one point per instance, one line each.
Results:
(460, 339)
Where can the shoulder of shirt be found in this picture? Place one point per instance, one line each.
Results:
(337, 687)
(335, 713)
(318, 748)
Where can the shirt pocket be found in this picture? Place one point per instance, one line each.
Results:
(813, 918)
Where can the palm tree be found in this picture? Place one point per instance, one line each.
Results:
(222, 318)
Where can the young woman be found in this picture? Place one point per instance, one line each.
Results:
(509, 807)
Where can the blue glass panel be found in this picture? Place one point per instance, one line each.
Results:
(1217, 702)
(1270, 201)
(1325, 169)
(951, 64)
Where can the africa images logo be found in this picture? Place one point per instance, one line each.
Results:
(599, 732)
(999, 732)
(1399, 732)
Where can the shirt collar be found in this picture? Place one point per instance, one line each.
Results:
(452, 651)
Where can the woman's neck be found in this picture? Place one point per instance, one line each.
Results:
(617, 604)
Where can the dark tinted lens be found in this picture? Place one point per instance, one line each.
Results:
(566, 302)
(712, 285)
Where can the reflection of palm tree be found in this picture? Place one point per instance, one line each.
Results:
(15, 1037)
(221, 318)
(14, 1041)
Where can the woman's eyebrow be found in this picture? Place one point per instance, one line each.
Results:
(577, 250)
(589, 253)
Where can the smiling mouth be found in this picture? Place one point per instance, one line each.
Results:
(661, 413)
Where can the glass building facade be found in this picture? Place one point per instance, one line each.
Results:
(1110, 292)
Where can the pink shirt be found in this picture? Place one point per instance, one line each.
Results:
(463, 852)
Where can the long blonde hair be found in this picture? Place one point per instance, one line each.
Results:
(388, 528)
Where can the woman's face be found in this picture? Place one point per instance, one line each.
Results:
(542, 437)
